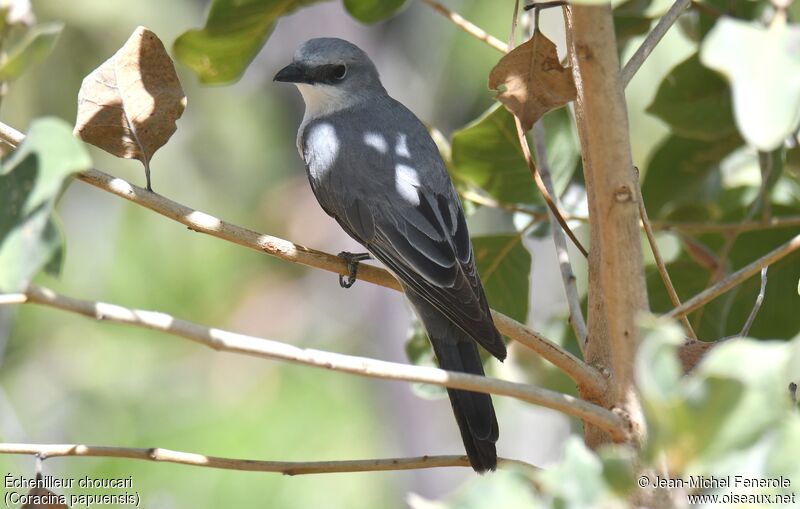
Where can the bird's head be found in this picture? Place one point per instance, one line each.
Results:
(331, 74)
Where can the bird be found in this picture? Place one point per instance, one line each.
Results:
(373, 167)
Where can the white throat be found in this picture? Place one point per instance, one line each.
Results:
(322, 100)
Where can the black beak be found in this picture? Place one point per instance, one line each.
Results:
(292, 73)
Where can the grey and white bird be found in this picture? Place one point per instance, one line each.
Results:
(374, 168)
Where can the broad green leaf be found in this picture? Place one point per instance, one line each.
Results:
(633, 18)
(505, 488)
(725, 315)
(234, 33)
(695, 102)
(763, 67)
(578, 482)
(420, 353)
(504, 266)
(685, 171)
(372, 11)
(561, 140)
(487, 154)
(657, 368)
(30, 182)
(33, 48)
(765, 378)
(618, 469)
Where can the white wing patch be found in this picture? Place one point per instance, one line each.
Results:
(321, 149)
(406, 181)
(401, 149)
(376, 141)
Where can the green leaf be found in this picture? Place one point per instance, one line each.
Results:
(32, 49)
(504, 489)
(577, 482)
(763, 67)
(31, 180)
(685, 171)
(420, 353)
(695, 102)
(633, 18)
(504, 266)
(487, 154)
(725, 316)
(563, 149)
(234, 33)
(372, 11)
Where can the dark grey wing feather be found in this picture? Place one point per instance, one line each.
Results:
(388, 188)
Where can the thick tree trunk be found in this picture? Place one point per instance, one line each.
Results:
(617, 293)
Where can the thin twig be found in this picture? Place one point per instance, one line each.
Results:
(222, 340)
(514, 18)
(733, 235)
(13, 298)
(526, 152)
(466, 26)
(662, 268)
(711, 293)
(584, 375)
(282, 467)
(757, 305)
(686, 227)
(652, 40)
(559, 239)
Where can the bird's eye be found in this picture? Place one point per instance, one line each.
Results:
(339, 72)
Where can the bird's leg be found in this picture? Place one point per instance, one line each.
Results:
(352, 260)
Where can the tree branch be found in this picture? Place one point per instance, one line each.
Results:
(652, 40)
(470, 28)
(617, 292)
(259, 347)
(712, 292)
(757, 306)
(583, 374)
(683, 226)
(158, 454)
(526, 152)
(560, 241)
(662, 268)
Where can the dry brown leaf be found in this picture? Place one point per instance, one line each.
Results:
(41, 498)
(128, 106)
(534, 80)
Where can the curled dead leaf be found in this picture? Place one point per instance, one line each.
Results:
(531, 81)
(129, 105)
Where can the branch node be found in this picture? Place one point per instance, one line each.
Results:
(623, 194)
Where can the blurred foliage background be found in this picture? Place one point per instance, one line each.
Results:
(67, 379)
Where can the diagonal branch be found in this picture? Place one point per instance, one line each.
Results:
(662, 268)
(567, 275)
(526, 151)
(468, 27)
(222, 340)
(683, 226)
(712, 292)
(652, 40)
(158, 454)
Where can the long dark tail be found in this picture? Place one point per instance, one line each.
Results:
(474, 412)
